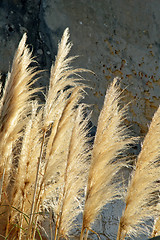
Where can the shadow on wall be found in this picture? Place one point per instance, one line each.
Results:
(155, 238)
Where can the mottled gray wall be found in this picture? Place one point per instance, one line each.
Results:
(113, 38)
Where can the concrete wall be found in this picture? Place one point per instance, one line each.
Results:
(112, 37)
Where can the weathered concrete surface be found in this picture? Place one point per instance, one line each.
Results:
(113, 38)
(17, 17)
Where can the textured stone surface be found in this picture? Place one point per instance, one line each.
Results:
(113, 38)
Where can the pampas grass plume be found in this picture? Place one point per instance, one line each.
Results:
(140, 198)
(110, 142)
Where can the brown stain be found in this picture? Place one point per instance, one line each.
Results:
(150, 107)
(156, 68)
(141, 74)
(140, 64)
(117, 73)
(109, 69)
(117, 52)
(149, 83)
(134, 72)
(146, 76)
(108, 77)
(129, 76)
(123, 62)
(143, 128)
(155, 99)
(98, 94)
(151, 53)
(109, 46)
(147, 93)
(157, 81)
